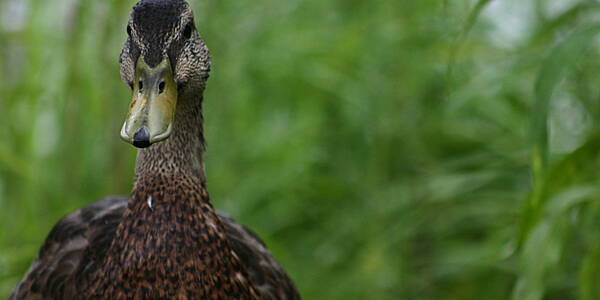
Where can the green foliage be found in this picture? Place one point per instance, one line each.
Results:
(383, 149)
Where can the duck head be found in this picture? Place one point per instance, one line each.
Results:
(163, 60)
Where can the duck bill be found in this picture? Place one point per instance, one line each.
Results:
(152, 106)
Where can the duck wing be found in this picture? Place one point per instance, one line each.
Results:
(265, 272)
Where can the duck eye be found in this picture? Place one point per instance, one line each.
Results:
(129, 30)
(187, 32)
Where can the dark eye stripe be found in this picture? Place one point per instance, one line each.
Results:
(187, 32)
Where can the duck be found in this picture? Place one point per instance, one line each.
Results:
(166, 240)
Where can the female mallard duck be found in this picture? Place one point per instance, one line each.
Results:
(165, 241)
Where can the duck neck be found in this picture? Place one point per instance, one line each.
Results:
(181, 153)
(170, 235)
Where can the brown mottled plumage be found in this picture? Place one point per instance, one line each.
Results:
(165, 241)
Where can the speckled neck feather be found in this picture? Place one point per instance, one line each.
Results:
(171, 244)
(181, 153)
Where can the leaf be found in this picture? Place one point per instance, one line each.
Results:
(561, 58)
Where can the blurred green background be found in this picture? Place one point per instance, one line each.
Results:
(390, 149)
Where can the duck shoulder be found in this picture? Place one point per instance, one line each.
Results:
(50, 276)
(80, 240)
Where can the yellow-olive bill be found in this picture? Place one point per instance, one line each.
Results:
(152, 106)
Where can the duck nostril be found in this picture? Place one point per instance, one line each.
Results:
(141, 85)
(161, 87)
